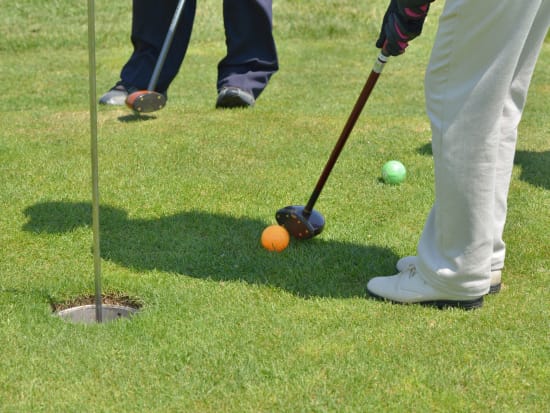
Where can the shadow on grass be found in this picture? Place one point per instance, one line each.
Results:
(219, 247)
(535, 166)
(135, 117)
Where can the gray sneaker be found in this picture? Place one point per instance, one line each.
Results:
(116, 96)
(234, 97)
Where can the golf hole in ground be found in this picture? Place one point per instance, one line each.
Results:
(83, 309)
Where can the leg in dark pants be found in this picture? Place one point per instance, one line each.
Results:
(150, 23)
(251, 54)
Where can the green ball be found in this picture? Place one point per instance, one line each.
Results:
(394, 172)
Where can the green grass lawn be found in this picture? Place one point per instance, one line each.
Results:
(226, 326)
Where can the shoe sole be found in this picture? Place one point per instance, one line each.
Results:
(231, 102)
(494, 289)
(440, 304)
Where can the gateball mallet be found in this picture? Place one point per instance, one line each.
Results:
(145, 101)
(303, 222)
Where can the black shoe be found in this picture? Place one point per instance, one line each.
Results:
(233, 97)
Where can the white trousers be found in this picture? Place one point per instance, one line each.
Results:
(476, 86)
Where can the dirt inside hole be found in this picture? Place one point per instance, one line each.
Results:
(107, 299)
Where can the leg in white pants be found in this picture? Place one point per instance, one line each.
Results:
(476, 85)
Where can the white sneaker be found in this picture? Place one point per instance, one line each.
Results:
(496, 275)
(409, 287)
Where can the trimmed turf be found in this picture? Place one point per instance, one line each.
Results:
(185, 194)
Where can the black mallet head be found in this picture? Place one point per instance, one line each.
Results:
(300, 223)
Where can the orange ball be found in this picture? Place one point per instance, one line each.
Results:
(275, 238)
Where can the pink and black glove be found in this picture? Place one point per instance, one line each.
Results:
(402, 22)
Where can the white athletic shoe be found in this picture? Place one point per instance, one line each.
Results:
(496, 275)
(409, 287)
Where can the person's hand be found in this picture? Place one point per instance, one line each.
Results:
(402, 22)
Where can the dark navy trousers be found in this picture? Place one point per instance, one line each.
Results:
(251, 53)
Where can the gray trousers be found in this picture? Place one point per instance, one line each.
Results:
(476, 87)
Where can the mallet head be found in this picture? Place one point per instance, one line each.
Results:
(145, 101)
(299, 223)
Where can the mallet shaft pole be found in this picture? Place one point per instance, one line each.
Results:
(165, 47)
(359, 105)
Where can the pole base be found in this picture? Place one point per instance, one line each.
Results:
(87, 313)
